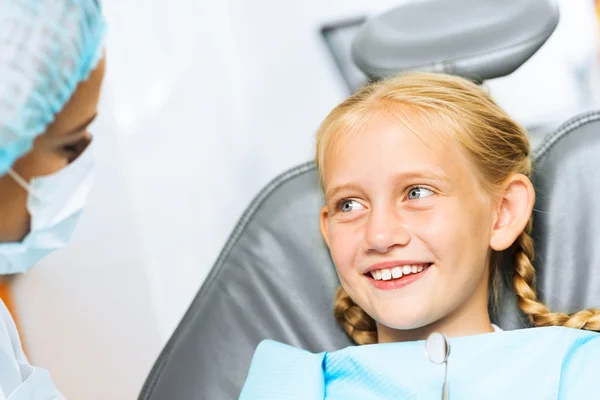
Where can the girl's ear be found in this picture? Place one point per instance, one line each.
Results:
(324, 224)
(513, 213)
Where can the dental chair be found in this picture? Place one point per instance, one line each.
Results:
(274, 278)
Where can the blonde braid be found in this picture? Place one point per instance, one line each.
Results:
(357, 323)
(524, 286)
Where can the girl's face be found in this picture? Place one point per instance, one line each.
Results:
(398, 203)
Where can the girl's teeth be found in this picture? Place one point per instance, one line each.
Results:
(397, 272)
(386, 274)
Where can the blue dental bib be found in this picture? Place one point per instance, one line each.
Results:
(537, 363)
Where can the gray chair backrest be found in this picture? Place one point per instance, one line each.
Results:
(566, 222)
(567, 215)
(475, 39)
(275, 280)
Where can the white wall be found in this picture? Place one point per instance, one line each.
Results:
(562, 78)
(204, 103)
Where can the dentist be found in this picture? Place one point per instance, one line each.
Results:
(51, 71)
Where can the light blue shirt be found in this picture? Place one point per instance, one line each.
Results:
(18, 379)
(539, 363)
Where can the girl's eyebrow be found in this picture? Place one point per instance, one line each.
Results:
(336, 189)
(424, 174)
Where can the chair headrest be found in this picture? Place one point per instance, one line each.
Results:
(475, 39)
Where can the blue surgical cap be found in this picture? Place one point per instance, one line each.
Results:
(47, 47)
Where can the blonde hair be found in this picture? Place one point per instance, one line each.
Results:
(491, 140)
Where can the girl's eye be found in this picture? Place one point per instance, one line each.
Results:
(349, 205)
(419, 193)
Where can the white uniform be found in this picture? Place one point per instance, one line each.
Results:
(18, 379)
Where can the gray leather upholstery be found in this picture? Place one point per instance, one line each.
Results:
(476, 39)
(274, 278)
(566, 228)
(567, 215)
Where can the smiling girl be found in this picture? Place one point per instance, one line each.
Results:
(427, 190)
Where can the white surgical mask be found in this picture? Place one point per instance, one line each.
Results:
(55, 203)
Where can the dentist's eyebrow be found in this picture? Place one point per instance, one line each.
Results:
(81, 127)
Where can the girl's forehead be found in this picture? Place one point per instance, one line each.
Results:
(386, 139)
(385, 150)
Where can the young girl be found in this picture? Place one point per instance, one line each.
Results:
(427, 189)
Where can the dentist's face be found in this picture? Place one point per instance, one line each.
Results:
(408, 226)
(59, 145)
